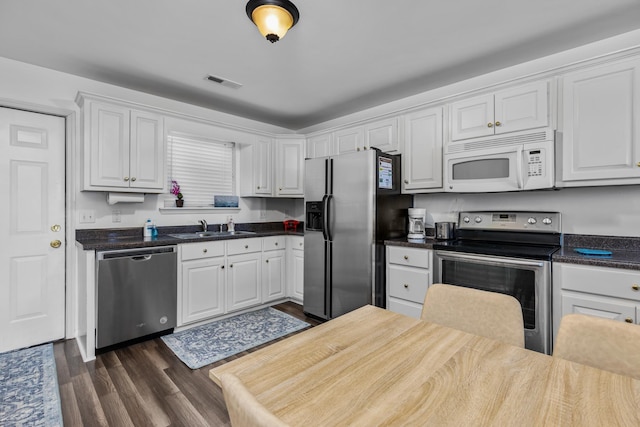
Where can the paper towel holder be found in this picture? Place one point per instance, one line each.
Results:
(113, 198)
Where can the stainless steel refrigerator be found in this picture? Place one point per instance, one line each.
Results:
(352, 204)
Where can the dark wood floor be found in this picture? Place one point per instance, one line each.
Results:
(142, 385)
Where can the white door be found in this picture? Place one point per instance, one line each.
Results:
(32, 254)
(520, 108)
(290, 170)
(422, 159)
(472, 117)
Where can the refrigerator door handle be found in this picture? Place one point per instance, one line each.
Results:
(327, 218)
(325, 225)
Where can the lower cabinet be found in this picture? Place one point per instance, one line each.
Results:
(220, 277)
(611, 293)
(295, 268)
(274, 268)
(202, 278)
(408, 278)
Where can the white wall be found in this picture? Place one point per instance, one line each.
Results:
(604, 211)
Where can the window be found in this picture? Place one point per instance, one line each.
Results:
(203, 167)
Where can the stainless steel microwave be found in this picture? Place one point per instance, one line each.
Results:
(514, 162)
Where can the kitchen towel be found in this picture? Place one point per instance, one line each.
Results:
(207, 344)
(29, 394)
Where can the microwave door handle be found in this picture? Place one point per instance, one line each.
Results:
(520, 171)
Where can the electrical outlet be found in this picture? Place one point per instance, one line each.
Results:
(263, 214)
(87, 216)
(115, 216)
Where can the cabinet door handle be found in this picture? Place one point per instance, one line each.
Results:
(406, 181)
(222, 267)
(126, 178)
(280, 189)
(489, 125)
(246, 246)
(406, 286)
(638, 164)
(358, 149)
(204, 250)
(635, 287)
(406, 257)
(133, 178)
(498, 124)
(628, 320)
(267, 261)
(258, 187)
(230, 265)
(276, 243)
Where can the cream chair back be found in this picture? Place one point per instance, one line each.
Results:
(244, 409)
(489, 314)
(602, 343)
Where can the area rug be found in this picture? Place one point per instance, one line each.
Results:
(209, 343)
(29, 393)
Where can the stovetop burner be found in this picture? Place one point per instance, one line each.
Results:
(530, 235)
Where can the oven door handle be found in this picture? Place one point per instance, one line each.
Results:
(511, 261)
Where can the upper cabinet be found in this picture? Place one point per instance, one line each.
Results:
(600, 125)
(509, 110)
(290, 167)
(350, 140)
(320, 145)
(383, 135)
(124, 147)
(272, 168)
(422, 153)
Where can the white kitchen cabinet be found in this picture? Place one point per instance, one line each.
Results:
(256, 168)
(124, 147)
(295, 268)
(289, 170)
(350, 140)
(383, 135)
(606, 292)
(422, 152)
(274, 257)
(244, 273)
(320, 146)
(408, 278)
(201, 281)
(601, 126)
(509, 110)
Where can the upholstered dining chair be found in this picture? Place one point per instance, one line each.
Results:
(244, 409)
(602, 343)
(489, 314)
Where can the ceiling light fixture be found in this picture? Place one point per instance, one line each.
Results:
(273, 17)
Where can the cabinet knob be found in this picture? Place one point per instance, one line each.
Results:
(300, 244)
(267, 261)
(638, 164)
(406, 257)
(276, 243)
(204, 250)
(406, 286)
(406, 181)
(498, 124)
(635, 287)
(133, 178)
(222, 267)
(628, 320)
(489, 125)
(126, 178)
(366, 148)
(246, 246)
(230, 265)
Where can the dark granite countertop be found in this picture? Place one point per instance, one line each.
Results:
(625, 251)
(126, 238)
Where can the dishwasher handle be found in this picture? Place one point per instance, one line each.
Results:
(137, 254)
(141, 258)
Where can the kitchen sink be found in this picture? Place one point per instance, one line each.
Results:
(199, 234)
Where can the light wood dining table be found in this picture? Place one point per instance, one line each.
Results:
(374, 367)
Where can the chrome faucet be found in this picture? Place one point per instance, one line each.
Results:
(204, 224)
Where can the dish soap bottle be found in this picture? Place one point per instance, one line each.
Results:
(230, 225)
(147, 229)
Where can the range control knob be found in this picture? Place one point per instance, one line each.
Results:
(532, 220)
(547, 221)
(478, 220)
(466, 220)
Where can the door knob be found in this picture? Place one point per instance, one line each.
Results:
(55, 227)
(55, 244)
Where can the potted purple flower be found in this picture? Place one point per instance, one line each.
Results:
(175, 190)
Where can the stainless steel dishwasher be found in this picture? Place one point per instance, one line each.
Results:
(136, 293)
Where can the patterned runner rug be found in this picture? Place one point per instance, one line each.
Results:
(206, 344)
(29, 394)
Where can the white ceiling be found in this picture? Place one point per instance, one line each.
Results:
(341, 57)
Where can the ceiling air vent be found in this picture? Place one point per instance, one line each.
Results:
(223, 82)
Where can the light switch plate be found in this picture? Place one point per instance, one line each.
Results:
(87, 216)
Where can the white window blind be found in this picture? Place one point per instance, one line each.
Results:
(202, 167)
